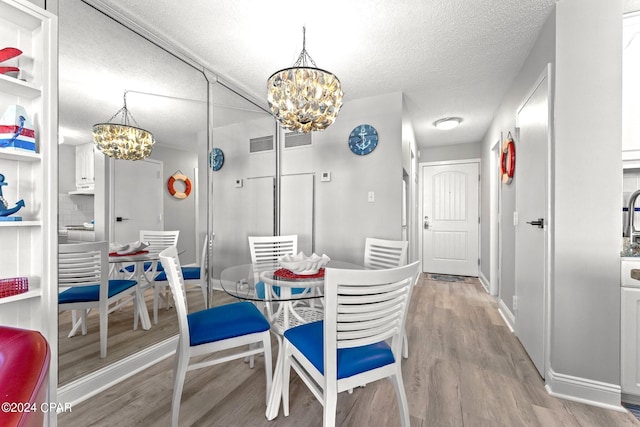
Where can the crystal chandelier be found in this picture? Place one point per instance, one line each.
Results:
(304, 98)
(123, 141)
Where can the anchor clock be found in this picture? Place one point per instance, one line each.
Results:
(363, 139)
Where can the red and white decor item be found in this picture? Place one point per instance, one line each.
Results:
(508, 160)
(6, 54)
(16, 130)
(13, 286)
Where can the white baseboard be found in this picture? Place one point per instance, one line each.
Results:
(484, 282)
(506, 314)
(631, 398)
(584, 390)
(100, 380)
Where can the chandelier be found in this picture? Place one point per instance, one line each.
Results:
(123, 141)
(304, 98)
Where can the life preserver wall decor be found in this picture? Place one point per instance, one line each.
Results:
(508, 160)
(178, 176)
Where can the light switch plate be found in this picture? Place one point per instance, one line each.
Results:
(326, 177)
(238, 183)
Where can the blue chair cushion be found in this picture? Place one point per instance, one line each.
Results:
(276, 290)
(225, 321)
(147, 265)
(92, 292)
(308, 339)
(188, 273)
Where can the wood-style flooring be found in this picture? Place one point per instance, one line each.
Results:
(465, 368)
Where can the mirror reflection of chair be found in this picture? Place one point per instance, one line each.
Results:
(195, 277)
(83, 269)
(383, 253)
(265, 252)
(215, 329)
(158, 240)
(358, 342)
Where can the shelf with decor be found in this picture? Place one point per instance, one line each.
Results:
(29, 169)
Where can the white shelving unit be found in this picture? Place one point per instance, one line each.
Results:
(29, 247)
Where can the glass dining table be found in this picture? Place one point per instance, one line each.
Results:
(287, 300)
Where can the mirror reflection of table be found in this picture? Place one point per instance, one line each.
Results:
(290, 300)
(117, 263)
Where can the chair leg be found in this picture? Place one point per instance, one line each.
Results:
(156, 302)
(330, 406)
(401, 395)
(286, 373)
(179, 373)
(104, 333)
(83, 316)
(405, 345)
(204, 294)
(268, 366)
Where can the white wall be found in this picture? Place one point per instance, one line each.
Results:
(582, 38)
(585, 335)
(471, 150)
(542, 53)
(179, 214)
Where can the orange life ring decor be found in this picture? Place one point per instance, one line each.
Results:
(179, 194)
(508, 160)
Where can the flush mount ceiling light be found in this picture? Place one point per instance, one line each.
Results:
(447, 123)
(304, 98)
(123, 141)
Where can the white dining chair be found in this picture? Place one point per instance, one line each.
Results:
(265, 253)
(158, 240)
(195, 277)
(83, 277)
(384, 253)
(358, 342)
(219, 328)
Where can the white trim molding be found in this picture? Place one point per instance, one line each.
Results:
(100, 380)
(484, 281)
(506, 314)
(584, 390)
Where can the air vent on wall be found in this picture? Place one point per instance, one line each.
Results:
(263, 143)
(293, 139)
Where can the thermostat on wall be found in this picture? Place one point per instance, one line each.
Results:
(326, 176)
(238, 183)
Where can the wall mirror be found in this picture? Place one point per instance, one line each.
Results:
(99, 60)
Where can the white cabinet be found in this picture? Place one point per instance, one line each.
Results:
(85, 171)
(630, 330)
(29, 247)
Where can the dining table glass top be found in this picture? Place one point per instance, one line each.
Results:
(240, 281)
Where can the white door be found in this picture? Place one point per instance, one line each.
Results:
(450, 220)
(296, 209)
(137, 199)
(531, 221)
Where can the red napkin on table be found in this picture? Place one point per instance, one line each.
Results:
(288, 274)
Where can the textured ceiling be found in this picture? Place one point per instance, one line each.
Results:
(449, 57)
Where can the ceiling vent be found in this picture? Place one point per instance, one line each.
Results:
(293, 139)
(263, 143)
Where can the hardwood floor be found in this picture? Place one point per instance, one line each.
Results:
(465, 368)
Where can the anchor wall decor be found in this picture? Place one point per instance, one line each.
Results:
(5, 211)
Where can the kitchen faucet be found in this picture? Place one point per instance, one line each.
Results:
(630, 229)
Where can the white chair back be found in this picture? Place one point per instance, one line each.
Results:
(171, 265)
(268, 249)
(364, 307)
(83, 264)
(381, 253)
(159, 240)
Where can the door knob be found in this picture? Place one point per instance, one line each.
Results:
(539, 222)
(426, 222)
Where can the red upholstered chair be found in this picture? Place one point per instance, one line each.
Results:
(24, 375)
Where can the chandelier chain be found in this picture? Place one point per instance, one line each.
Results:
(127, 117)
(304, 55)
